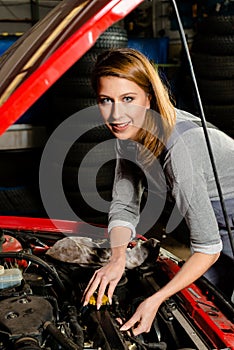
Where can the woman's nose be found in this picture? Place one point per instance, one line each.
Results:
(116, 110)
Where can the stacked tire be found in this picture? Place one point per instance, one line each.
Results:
(213, 60)
(73, 91)
(20, 152)
(71, 95)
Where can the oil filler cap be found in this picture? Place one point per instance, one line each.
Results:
(93, 300)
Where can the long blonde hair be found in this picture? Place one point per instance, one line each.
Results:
(132, 65)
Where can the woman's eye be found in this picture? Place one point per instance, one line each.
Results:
(128, 99)
(105, 100)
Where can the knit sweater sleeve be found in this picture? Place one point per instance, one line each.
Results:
(127, 192)
(186, 174)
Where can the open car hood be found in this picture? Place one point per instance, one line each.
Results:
(41, 56)
(198, 317)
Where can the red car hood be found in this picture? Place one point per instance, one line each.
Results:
(33, 64)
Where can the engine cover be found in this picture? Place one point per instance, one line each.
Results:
(24, 315)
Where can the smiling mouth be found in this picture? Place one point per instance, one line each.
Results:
(120, 126)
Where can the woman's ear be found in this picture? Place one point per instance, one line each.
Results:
(149, 98)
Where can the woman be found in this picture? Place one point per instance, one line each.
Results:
(136, 107)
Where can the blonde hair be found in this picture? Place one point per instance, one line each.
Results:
(132, 65)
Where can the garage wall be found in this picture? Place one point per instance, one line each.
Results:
(18, 16)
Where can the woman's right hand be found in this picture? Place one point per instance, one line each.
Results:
(106, 278)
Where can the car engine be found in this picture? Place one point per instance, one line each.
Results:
(41, 302)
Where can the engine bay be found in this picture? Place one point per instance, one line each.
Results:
(41, 301)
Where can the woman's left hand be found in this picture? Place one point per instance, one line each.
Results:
(143, 317)
(193, 268)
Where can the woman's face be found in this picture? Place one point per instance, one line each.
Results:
(123, 105)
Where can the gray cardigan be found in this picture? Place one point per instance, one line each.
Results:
(184, 175)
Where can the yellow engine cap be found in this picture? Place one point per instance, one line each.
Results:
(93, 300)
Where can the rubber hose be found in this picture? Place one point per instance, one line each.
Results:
(65, 342)
(27, 344)
(75, 326)
(36, 260)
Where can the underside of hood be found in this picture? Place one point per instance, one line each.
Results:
(44, 53)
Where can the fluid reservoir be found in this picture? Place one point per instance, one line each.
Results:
(10, 277)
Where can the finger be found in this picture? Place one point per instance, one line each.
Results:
(111, 289)
(90, 282)
(141, 328)
(130, 323)
(101, 291)
(90, 291)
